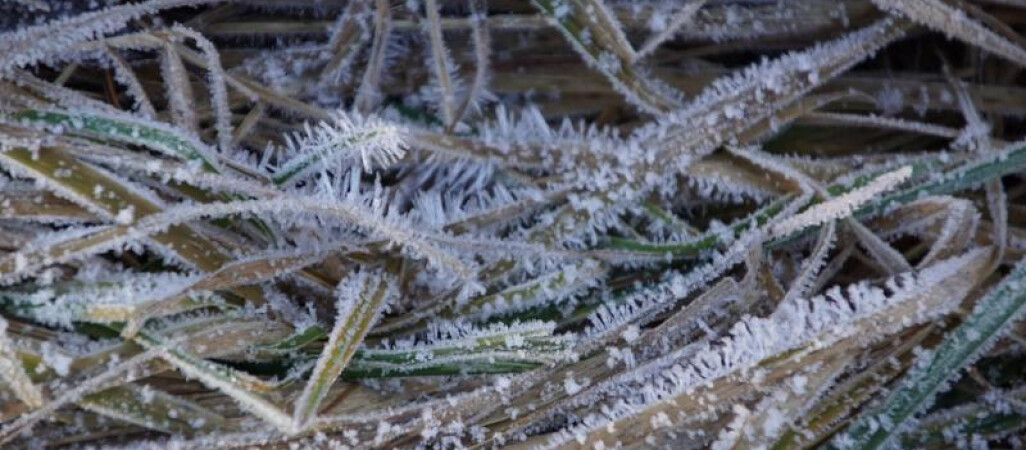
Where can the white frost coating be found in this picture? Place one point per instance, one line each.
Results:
(760, 90)
(369, 94)
(126, 76)
(817, 322)
(684, 16)
(622, 230)
(444, 77)
(613, 318)
(216, 377)
(362, 298)
(889, 258)
(32, 44)
(349, 138)
(801, 284)
(478, 92)
(27, 421)
(105, 300)
(843, 205)
(726, 108)
(952, 21)
(218, 87)
(13, 374)
(179, 89)
(603, 45)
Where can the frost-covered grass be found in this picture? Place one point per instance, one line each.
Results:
(482, 223)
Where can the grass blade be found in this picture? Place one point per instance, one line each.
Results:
(361, 300)
(882, 424)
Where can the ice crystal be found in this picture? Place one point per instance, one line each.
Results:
(449, 224)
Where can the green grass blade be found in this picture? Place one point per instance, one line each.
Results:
(968, 175)
(369, 141)
(358, 309)
(984, 418)
(497, 349)
(124, 129)
(877, 427)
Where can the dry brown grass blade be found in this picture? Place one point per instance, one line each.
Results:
(41, 205)
(598, 37)
(872, 121)
(368, 94)
(682, 17)
(13, 374)
(48, 164)
(583, 258)
(890, 260)
(944, 18)
(179, 90)
(347, 39)
(153, 409)
(639, 420)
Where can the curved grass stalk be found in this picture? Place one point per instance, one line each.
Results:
(166, 226)
(218, 88)
(126, 76)
(482, 59)
(353, 212)
(179, 93)
(348, 36)
(951, 223)
(30, 44)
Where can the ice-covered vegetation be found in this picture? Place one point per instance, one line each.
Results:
(727, 224)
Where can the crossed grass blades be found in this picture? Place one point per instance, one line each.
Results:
(471, 223)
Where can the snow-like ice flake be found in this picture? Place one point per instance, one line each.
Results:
(349, 139)
(596, 223)
(842, 206)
